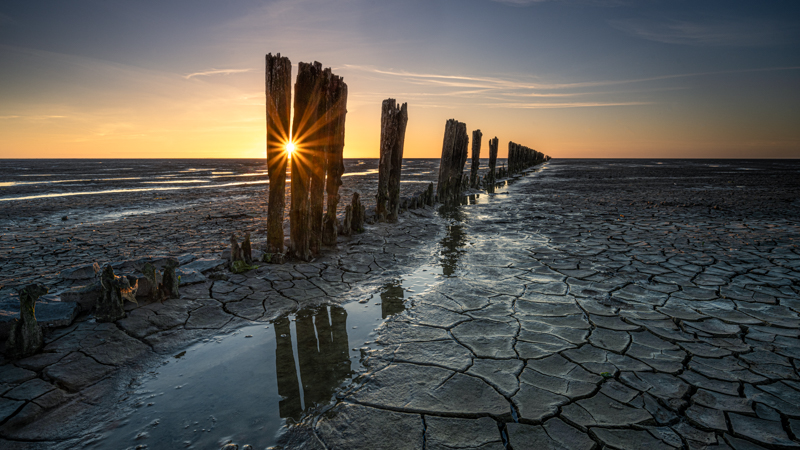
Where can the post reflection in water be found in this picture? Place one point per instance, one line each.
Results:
(454, 241)
(392, 299)
(309, 377)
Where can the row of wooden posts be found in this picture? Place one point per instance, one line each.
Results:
(452, 179)
(317, 132)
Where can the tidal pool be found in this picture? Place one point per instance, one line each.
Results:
(244, 386)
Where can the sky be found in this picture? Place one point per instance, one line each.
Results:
(572, 79)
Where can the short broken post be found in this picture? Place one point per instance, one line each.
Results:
(247, 249)
(393, 131)
(169, 284)
(26, 336)
(359, 214)
(236, 252)
(116, 290)
(279, 97)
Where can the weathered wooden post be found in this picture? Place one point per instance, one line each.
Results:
(512, 157)
(451, 165)
(492, 176)
(305, 125)
(476, 158)
(279, 97)
(316, 149)
(26, 336)
(334, 158)
(393, 133)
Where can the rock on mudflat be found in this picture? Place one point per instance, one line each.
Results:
(601, 410)
(629, 439)
(49, 313)
(764, 431)
(413, 388)
(85, 272)
(553, 435)
(189, 276)
(77, 371)
(356, 426)
(445, 433)
(85, 296)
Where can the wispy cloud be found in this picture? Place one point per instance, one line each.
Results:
(556, 105)
(506, 83)
(211, 72)
(607, 3)
(32, 117)
(732, 33)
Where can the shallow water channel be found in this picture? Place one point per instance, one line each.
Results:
(244, 386)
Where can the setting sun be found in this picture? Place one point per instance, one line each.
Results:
(290, 148)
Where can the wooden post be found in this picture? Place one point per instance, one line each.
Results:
(393, 133)
(316, 149)
(334, 158)
(476, 157)
(305, 125)
(279, 97)
(492, 176)
(451, 164)
(511, 157)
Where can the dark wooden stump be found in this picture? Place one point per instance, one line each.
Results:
(115, 291)
(26, 336)
(279, 97)
(347, 225)
(236, 252)
(359, 214)
(169, 283)
(247, 249)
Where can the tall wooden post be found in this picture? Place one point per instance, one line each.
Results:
(317, 149)
(491, 176)
(393, 133)
(279, 97)
(512, 157)
(305, 123)
(334, 158)
(451, 165)
(476, 157)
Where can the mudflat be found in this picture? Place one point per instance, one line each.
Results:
(617, 303)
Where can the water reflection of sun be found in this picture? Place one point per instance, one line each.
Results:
(290, 148)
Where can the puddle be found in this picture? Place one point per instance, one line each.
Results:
(245, 386)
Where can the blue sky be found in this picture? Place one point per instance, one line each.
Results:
(570, 78)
